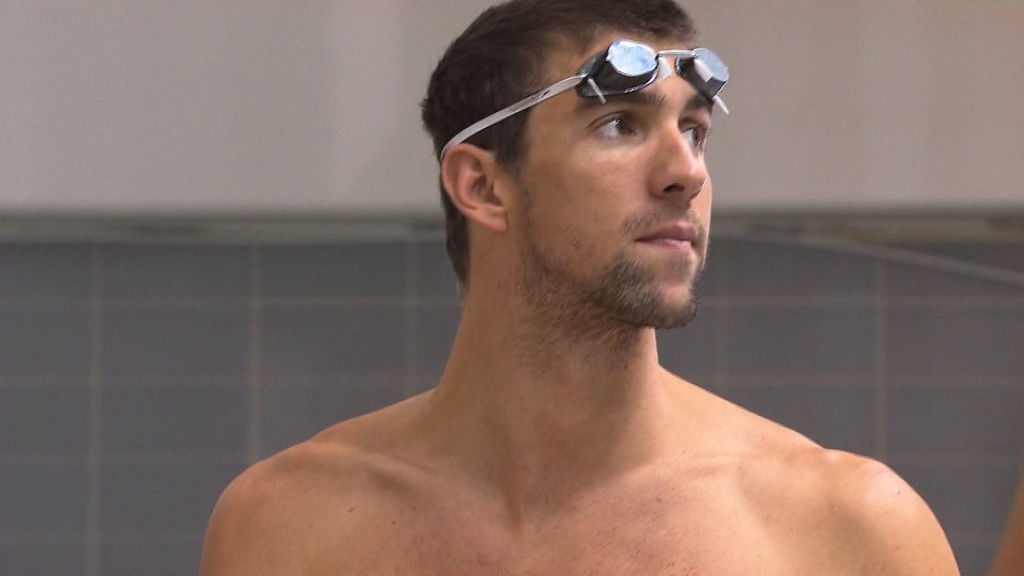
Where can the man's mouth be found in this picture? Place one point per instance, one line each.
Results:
(670, 243)
(678, 236)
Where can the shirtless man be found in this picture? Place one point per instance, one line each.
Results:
(554, 442)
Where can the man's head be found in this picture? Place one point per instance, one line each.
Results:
(560, 159)
(502, 56)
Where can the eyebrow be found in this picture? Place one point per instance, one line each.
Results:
(646, 99)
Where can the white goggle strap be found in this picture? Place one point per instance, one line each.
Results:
(532, 100)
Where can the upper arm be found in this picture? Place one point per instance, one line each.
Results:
(889, 529)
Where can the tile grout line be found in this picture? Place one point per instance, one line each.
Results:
(943, 303)
(411, 319)
(254, 447)
(953, 458)
(881, 428)
(95, 432)
(43, 538)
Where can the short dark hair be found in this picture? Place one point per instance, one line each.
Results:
(500, 58)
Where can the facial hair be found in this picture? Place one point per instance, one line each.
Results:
(622, 296)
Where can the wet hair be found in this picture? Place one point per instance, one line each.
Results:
(501, 58)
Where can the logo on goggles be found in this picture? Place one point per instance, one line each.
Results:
(528, 101)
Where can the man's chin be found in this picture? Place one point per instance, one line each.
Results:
(651, 311)
(645, 300)
(673, 317)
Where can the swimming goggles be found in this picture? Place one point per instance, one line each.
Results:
(625, 66)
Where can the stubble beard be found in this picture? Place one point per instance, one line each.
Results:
(628, 291)
(621, 298)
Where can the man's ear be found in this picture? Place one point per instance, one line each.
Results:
(470, 177)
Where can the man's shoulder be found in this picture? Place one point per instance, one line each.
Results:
(267, 519)
(778, 465)
(856, 509)
(846, 485)
(298, 473)
(853, 507)
(888, 527)
(337, 461)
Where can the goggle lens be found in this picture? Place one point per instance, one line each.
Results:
(631, 58)
(628, 66)
(705, 72)
(622, 68)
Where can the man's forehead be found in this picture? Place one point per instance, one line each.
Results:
(645, 98)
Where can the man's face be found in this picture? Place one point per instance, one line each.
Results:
(616, 199)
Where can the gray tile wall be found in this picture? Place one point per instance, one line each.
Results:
(137, 380)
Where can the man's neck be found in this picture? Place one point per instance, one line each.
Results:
(539, 413)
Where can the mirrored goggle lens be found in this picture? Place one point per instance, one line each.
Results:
(705, 72)
(624, 67)
(631, 58)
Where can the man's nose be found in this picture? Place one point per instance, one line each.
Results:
(680, 168)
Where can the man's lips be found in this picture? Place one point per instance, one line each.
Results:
(674, 234)
(679, 237)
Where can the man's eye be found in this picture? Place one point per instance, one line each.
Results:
(615, 128)
(697, 136)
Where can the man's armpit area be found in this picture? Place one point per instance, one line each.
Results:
(886, 527)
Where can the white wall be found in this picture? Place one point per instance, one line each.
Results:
(870, 104)
(249, 107)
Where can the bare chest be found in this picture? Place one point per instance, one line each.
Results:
(611, 542)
